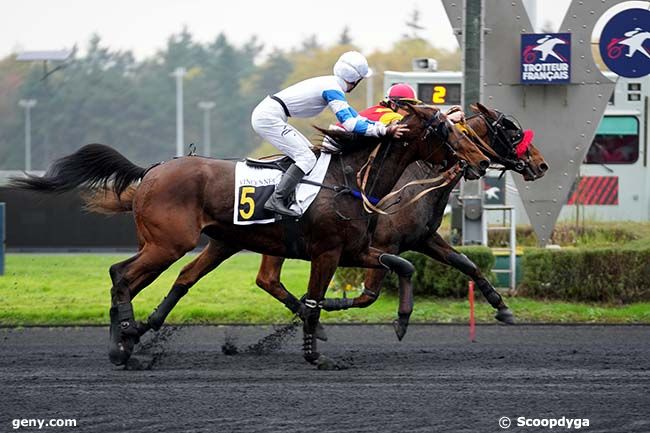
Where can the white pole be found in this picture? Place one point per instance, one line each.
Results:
(206, 106)
(179, 73)
(370, 88)
(28, 104)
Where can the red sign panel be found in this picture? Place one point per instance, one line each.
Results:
(595, 190)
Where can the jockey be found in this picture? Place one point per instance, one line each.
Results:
(391, 110)
(307, 99)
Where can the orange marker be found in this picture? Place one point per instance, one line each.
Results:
(472, 324)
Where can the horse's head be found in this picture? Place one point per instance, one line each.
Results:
(512, 144)
(438, 141)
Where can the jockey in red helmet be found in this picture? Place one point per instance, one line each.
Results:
(390, 110)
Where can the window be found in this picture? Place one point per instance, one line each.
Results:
(616, 142)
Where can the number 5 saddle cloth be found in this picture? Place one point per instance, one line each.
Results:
(254, 185)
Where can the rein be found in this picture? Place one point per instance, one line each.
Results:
(440, 181)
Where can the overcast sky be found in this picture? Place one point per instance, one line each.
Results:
(144, 25)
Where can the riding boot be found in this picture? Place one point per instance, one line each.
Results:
(279, 201)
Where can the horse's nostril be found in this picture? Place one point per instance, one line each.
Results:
(484, 164)
(543, 166)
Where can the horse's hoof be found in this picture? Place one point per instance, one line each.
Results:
(320, 332)
(118, 354)
(400, 328)
(312, 357)
(325, 363)
(505, 315)
(139, 363)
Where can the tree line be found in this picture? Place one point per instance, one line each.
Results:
(107, 96)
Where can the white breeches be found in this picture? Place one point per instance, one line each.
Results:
(270, 122)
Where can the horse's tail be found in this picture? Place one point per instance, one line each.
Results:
(93, 166)
(108, 202)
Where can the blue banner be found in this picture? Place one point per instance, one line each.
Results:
(625, 43)
(546, 58)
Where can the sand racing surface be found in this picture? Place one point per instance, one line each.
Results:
(433, 381)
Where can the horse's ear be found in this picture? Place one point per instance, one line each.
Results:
(474, 108)
(483, 109)
(412, 109)
(408, 107)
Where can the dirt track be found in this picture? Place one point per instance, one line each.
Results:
(435, 380)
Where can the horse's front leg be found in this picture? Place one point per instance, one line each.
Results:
(438, 249)
(379, 263)
(268, 279)
(322, 270)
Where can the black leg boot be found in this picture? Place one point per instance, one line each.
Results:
(504, 314)
(279, 200)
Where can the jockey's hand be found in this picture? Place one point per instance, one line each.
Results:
(456, 114)
(396, 130)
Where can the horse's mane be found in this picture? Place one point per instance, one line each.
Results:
(349, 142)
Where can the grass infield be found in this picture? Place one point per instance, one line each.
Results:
(73, 289)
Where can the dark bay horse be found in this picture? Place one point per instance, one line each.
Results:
(176, 201)
(415, 228)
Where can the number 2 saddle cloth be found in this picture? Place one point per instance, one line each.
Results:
(254, 184)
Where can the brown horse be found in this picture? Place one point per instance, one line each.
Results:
(177, 201)
(415, 228)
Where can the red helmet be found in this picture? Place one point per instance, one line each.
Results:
(401, 91)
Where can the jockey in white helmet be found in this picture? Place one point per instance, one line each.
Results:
(307, 99)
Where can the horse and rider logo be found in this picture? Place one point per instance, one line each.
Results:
(545, 47)
(494, 189)
(545, 58)
(625, 43)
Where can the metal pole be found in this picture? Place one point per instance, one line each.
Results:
(179, 73)
(370, 89)
(206, 106)
(28, 104)
(206, 132)
(28, 138)
(472, 42)
(471, 191)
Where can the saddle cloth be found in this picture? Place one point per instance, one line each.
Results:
(253, 186)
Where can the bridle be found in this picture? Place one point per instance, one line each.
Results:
(504, 149)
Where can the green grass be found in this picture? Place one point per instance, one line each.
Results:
(64, 289)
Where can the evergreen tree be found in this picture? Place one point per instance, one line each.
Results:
(345, 38)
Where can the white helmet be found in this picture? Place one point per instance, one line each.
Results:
(351, 67)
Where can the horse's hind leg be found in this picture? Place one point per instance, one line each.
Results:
(268, 279)
(211, 257)
(322, 270)
(129, 277)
